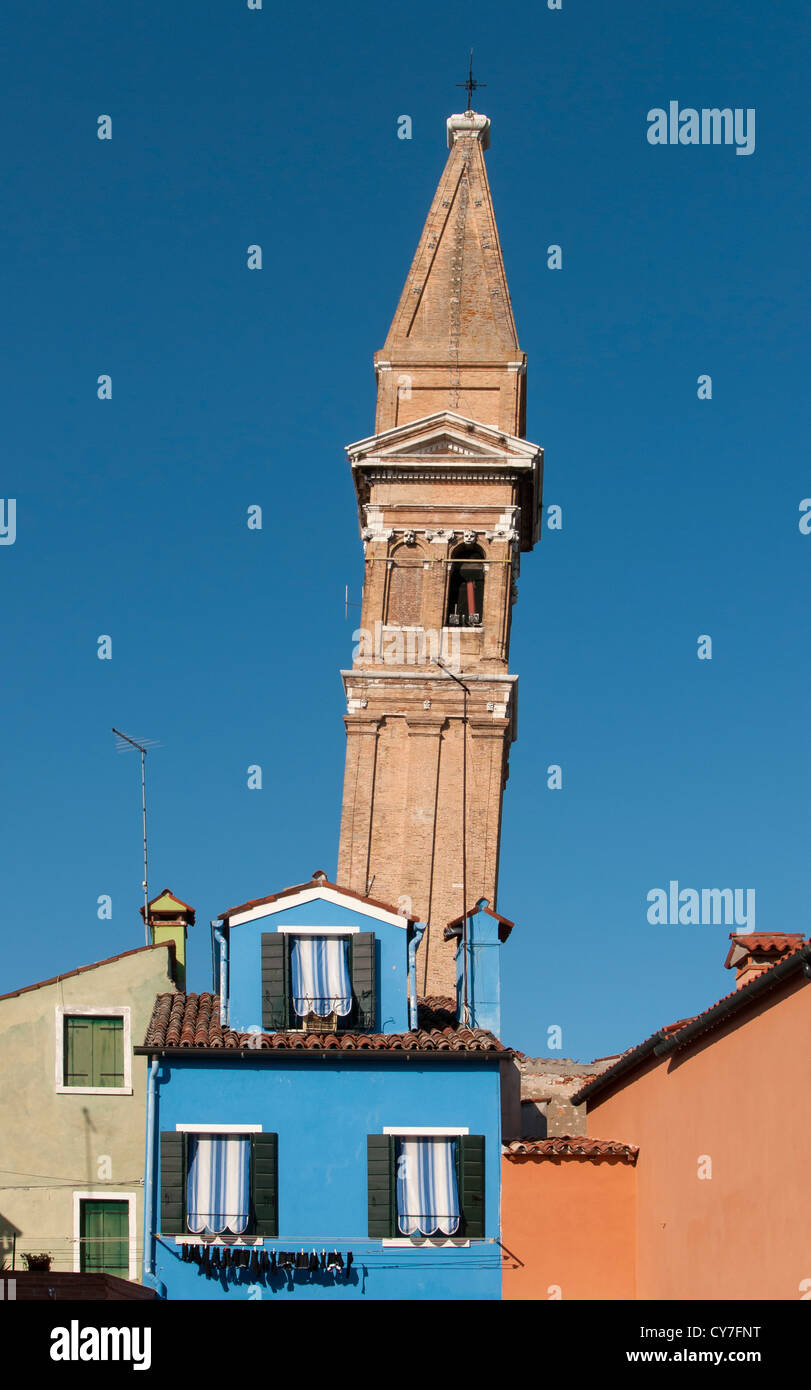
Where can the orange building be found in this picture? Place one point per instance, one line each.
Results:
(696, 1187)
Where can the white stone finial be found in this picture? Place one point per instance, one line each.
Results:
(468, 123)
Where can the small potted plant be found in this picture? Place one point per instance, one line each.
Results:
(37, 1264)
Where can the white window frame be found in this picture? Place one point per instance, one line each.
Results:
(312, 931)
(103, 1196)
(218, 1129)
(417, 1242)
(229, 1239)
(317, 931)
(86, 1011)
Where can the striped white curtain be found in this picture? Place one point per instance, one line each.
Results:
(427, 1194)
(218, 1185)
(321, 982)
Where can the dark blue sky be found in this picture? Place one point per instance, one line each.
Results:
(127, 257)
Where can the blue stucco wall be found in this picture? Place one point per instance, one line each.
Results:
(245, 962)
(483, 973)
(322, 1111)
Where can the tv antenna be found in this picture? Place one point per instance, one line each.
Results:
(348, 602)
(123, 745)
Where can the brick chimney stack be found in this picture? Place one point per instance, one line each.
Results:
(753, 952)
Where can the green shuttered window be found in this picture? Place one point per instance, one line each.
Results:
(381, 1185)
(104, 1233)
(277, 1007)
(174, 1164)
(173, 1159)
(470, 1178)
(380, 1179)
(93, 1051)
(265, 1184)
(362, 969)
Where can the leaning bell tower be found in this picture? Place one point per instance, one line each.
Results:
(449, 495)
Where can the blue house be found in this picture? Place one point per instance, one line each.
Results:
(312, 1128)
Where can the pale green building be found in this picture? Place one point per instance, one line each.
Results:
(73, 1108)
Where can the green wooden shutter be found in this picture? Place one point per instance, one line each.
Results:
(104, 1230)
(173, 1183)
(78, 1041)
(470, 1176)
(265, 1184)
(108, 1052)
(362, 966)
(380, 1179)
(94, 1051)
(275, 981)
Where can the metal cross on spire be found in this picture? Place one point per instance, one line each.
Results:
(471, 84)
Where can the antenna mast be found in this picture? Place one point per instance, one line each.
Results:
(142, 748)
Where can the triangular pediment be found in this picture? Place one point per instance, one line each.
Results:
(444, 435)
(440, 444)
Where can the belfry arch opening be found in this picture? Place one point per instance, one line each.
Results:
(465, 587)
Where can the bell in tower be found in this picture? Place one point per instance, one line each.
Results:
(449, 495)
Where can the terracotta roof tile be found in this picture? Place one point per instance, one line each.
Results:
(571, 1146)
(763, 943)
(193, 1021)
(505, 925)
(436, 1011)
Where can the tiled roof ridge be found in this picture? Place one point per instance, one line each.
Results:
(94, 965)
(571, 1146)
(193, 1021)
(320, 882)
(681, 1033)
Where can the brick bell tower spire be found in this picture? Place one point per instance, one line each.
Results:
(449, 494)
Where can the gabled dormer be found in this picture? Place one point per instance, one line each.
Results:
(318, 958)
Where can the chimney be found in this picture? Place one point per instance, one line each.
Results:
(169, 920)
(481, 982)
(753, 952)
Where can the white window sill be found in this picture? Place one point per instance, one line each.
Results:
(432, 1242)
(94, 1090)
